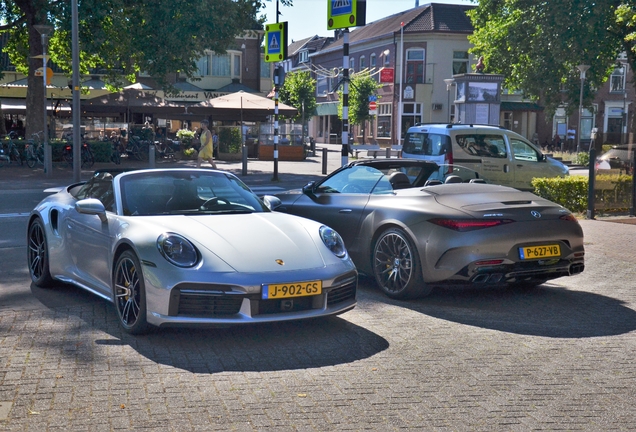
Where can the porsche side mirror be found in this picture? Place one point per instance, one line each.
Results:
(272, 202)
(92, 206)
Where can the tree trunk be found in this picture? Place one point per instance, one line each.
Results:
(35, 90)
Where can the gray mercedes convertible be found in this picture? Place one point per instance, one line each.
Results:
(413, 228)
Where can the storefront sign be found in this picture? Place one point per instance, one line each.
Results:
(387, 75)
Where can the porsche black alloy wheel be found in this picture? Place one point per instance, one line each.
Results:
(38, 255)
(396, 266)
(130, 295)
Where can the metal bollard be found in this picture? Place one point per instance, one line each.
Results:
(388, 152)
(151, 156)
(244, 156)
(324, 160)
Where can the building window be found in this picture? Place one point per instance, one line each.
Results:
(266, 69)
(387, 59)
(384, 120)
(415, 66)
(372, 60)
(221, 65)
(352, 63)
(617, 79)
(203, 66)
(411, 115)
(303, 56)
(363, 63)
(460, 62)
(237, 65)
(322, 86)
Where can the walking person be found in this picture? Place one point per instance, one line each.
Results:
(206, 151)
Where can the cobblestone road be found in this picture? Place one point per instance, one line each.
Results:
(561, 357)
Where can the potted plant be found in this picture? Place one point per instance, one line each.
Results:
(186, 136)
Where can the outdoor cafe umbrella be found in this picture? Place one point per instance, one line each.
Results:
(241, 105)
(129, 101)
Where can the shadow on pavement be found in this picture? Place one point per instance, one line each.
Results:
(264, 347)
(547, 310)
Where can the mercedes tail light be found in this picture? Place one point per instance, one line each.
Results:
(463, 225)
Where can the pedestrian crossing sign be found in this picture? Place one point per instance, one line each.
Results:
(346, 13)
(275, 42)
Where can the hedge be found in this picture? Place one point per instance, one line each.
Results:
(612, 192)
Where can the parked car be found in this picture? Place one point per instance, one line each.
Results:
(499, 155)
(620, 157)
(188, 247)
(412, 232)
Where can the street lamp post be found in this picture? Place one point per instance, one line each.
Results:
(624, 140)
(402, 79)
(45, 31)
(449, 83)
(582, 68)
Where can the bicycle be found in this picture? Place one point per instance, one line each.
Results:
(137, 148)
(11, 153)
(34, 150)
(115, 155)
(87, 158)
(164, 150)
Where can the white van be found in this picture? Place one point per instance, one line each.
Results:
(499, 155)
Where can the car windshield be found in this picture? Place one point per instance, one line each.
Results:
(377, 179)
(186, 192)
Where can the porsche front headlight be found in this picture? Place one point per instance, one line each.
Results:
(333, 241)
(178, 250)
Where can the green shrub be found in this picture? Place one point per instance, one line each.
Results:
(612, 192)
(570, 191)
(230, 140)
(582, 158)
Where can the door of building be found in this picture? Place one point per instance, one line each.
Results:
(614, 127)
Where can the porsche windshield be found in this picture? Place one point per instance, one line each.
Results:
(186, 192)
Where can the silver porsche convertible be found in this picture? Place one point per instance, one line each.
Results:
(413, 228)
(187, 247)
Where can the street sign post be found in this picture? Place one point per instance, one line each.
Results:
(373, 108)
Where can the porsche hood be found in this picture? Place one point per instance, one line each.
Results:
(257, 242)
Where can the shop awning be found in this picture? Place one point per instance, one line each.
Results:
(520, 106)
(18, 106)
(325, 109)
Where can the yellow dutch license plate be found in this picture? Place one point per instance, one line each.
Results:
(294, 289)
(538, 252)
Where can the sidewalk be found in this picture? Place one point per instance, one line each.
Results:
(291, 174)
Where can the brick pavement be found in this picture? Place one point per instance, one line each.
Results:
(558, 357)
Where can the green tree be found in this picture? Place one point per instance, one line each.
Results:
(362, 86)
(121, 37)
(299, 91)
(537, 45)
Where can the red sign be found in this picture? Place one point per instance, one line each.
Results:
(387, 75)
(372, 106)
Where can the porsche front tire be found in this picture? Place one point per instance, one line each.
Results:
(130, 294)
(396, 266)
(38, 255)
